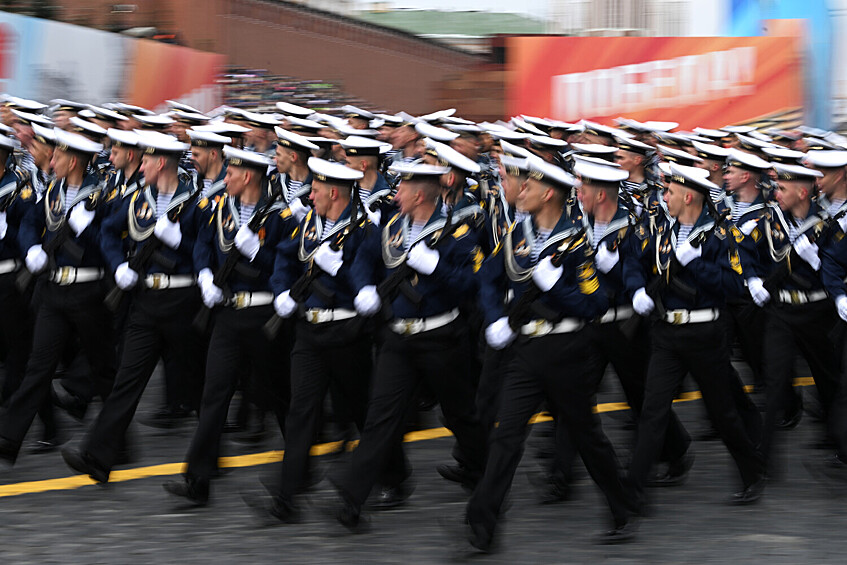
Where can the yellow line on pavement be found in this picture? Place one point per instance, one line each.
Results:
(263, 458)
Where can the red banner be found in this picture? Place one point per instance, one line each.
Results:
(696, 81)
(159, 71)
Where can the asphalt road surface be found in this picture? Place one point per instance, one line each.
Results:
(49, 515)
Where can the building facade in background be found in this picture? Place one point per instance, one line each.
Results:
(430, 49)
(296, 39)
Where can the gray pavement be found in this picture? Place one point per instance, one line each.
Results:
(800, 520)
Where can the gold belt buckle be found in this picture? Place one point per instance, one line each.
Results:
(241, 300)
(540, 327)
(678, 317)
(157, 281)
(795, 296)
(411, 326)
(64, 275)
(312, 315)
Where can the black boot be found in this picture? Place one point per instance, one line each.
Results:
(194, 490)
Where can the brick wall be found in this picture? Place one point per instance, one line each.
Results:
(390, 69)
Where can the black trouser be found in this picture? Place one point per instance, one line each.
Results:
(184, 371)
(332, 352)
(158, 324)
(437, 357)
(237, 341)
(837, 422)
(793, 329)
(65, 311)
(746, 322)
(629, 357)
(554, 367)
(15, 332)
(473, 317)
(702, 350)
(16, 325)
(488, 392)
(488, 399)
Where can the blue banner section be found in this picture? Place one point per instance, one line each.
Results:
(43, 59)
(746, 19)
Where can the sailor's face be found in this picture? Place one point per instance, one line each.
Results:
(150, 168)
(129, 124)
(179, 129)
(119, 157)
(338, 153)
(354, 162)
(466, 146)
(789, 193)
(284, 158)
(24, 133)
(321, 197)
(236, 180)
(42, 154)
(407, 196)
(511, 186)
(200, 157)
(533, 196)
(61, 118)
(734, 177)
(587, 196)
(675, 199)
(384, 133)
(628, 160)
(706, 165)
(598, 139)
(402, 136)
(61, 163)
(358, 123)
(831, 179)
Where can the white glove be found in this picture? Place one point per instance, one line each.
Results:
(606, 260)
(545, 275)
(211, 293)
(642, 303)
(204, 277)
(749, 226)
(686, 253)
(36, 259)
(374, 216)
(125, 277)
(423, 258)
(298, 209)
(3, 225)
(841, 306)
(285, 305)
(328, 260)
(500, 334)
(808, 251)
(247, 242)
(842, 223)
(758, 291)
(80, 218)
(168, 232)
(367, 302)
